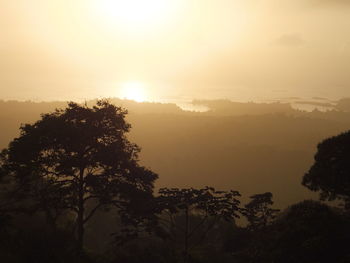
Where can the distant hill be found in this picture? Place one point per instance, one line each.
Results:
(229, 108)
(255, 148)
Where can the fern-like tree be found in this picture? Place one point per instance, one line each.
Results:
(259, 212)
(201, 209)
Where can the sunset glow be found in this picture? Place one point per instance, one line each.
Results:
(133, 91)
(174, 131)
(134, 14)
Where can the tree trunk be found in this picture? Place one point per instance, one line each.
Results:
(80, 218)
(186, 236)
(80, 231)
(51, 221)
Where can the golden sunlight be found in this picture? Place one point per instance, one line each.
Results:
(134, 14)
(133, 91)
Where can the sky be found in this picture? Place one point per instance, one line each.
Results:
(168, 50)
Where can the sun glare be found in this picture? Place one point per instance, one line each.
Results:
(134, 13)
(133, 91)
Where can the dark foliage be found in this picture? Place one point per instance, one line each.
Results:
(306, 232)
(259, 212)
(193, 213)
(330, 173)
(76, 157)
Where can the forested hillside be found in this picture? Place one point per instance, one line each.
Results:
(243, 149)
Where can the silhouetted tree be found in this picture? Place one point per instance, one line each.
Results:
(79, 160)
(207, 204)
(330, 173)
(137, 218)
(308, 231)
(6, 202)
(259, 212)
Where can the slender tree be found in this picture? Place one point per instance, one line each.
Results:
(207, 204)
(259, 212)
(79, 160)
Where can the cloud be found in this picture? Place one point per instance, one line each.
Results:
(347, 2)
(289, 40)
(331, 2)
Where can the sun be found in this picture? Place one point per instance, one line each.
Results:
(133, 91)
(131, 14)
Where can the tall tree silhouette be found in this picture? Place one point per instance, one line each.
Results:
(330, 173)
(79, 160)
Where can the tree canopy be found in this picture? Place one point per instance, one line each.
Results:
(259, 212)
(79, 160)
(200, 209)
(330, 173)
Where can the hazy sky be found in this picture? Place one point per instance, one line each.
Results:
(174, 49)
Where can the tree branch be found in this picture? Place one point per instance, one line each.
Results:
(92, 212)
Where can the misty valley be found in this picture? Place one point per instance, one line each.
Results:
(120, 181)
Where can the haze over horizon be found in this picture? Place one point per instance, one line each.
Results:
(178, 131)
(174, 50)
